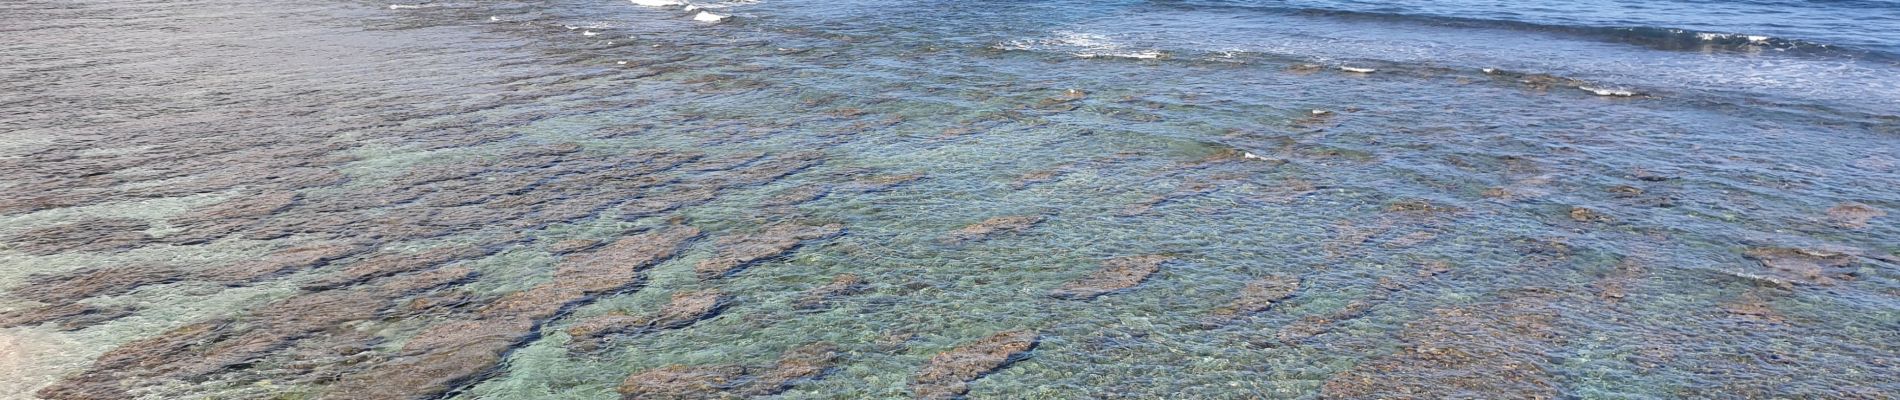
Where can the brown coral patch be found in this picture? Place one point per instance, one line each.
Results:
(948, 374)
(1116, 274)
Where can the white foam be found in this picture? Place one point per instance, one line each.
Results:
(494, 18)
(1357, 70)
(1608, 92)
(404, 6)
(710, 17)
(589, 33)
(658, 3)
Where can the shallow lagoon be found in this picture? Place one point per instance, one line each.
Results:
(232, 199)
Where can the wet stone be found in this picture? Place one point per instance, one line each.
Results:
(1116, 274)
(948, 374)
(736, 252)
(991, 227)
(819, 297)
(1258, 296)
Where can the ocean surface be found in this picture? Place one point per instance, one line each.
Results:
(843, 199)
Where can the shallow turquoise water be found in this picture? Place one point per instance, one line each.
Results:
(1455, 232)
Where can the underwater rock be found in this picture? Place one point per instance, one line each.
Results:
(654, 204)
(572, 245)
(612, 268)
(1490, 350)
(1116, 274)
(391, 263)
(89, 234)
(282, 262)
(738, 251)
(990, 227)
(1804, 265)
(761, 172)
(684, 309)
(1420, 207)
(684, 382)
(818, 297)
(948, 374)
(1259, 295)
(103, 381)
(1037, 177)
(797, 365)
(68, 317)
(93, 282)
(440, 358)
(411, 283)
(1853, 215)
(796, 196)
(879, 183)
(1581, 214)
(247, 207)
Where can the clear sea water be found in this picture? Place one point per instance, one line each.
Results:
(1478, 199)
